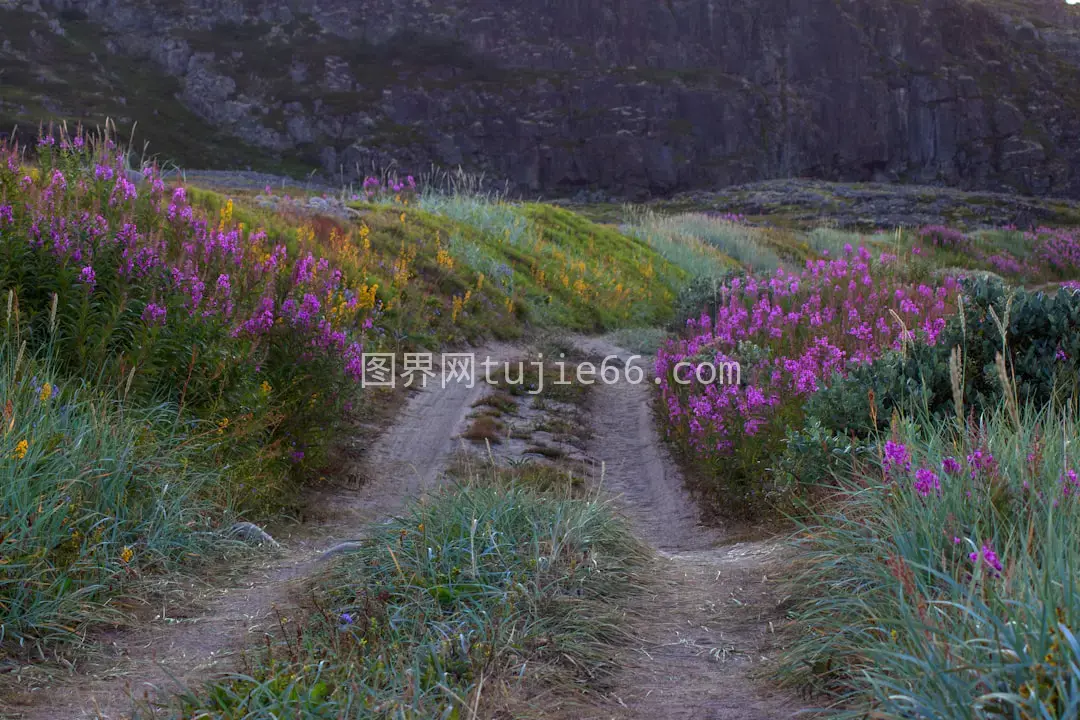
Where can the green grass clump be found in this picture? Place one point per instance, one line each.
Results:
(944, 581)
(489, 215)
(646, 341)
(468, 593)
(95, 494)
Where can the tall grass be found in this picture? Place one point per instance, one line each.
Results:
(460, 599)
(743, 243)
(557, 267)
(669, 237)
(945, 584)
(491, 214)
(833, 242)
(95, 494)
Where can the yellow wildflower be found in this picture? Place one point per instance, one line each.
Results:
(444, 259)
(20, 449)
(402, 217)
(126, 554)
(226, 215)
(46, 392)
(266, 387)
(222, 424)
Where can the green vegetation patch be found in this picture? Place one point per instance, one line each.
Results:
(454, 605)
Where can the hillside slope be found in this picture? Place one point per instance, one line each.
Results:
(634, 98)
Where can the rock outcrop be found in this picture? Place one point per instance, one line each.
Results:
(634, 98)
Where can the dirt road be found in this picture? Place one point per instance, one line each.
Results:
(702, 626)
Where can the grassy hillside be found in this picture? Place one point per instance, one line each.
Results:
(173, 357)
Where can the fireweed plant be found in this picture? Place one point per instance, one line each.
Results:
(166, 302)
(944, 581)
(791, 333)
(1042, 255)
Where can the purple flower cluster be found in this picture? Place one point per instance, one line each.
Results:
(944, 237)
(896, 459)
(88, 277)
(1057, 247)
(988, 557)
(981, 463)
(374, 187)
(926, 482)
(154, 314)
(815, 324)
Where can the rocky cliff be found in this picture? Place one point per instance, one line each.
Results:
(628, 97)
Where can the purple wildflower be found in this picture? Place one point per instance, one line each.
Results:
(896, 457)
(154, 314)
(88, 277)
(988, 556)
(926, 482)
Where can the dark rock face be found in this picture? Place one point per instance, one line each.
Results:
(635, 98)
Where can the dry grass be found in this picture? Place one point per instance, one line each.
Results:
(485, 428)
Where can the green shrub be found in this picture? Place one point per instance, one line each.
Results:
(1041, 348)
(701, 296)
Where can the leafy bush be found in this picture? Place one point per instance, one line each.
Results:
(1041, 347)
(700, 296)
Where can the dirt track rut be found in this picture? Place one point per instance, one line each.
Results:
(704, 625)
